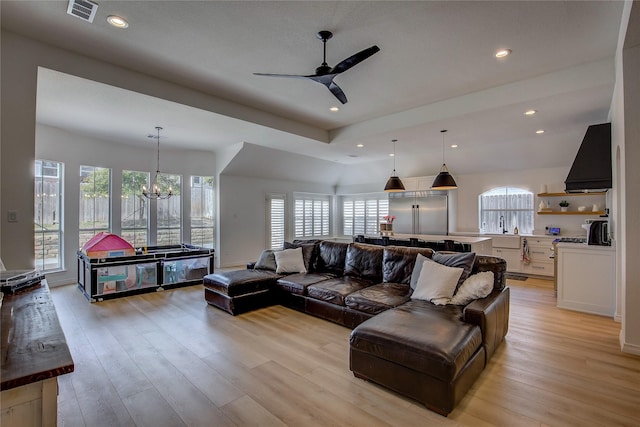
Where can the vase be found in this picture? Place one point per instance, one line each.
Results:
(563, 208)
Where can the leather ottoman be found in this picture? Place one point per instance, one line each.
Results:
(419, 350)
(239, 291)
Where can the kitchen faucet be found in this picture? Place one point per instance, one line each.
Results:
(502, 225)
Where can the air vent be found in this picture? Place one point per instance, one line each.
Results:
(83, 9)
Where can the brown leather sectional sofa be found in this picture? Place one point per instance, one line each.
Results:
(431, 353)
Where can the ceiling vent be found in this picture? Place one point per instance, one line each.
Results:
(83, 9)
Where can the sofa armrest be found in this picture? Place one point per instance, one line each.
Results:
(492, 315)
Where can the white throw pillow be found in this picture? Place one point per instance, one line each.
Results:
(290, 261)
(476, 286)
(436, 281)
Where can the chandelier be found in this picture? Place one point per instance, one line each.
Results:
(155, 191)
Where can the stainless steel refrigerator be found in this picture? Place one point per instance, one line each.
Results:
(420, 212)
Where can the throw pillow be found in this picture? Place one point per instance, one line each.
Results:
(417, 268)
(309, 253)
(290, 261)
(462, 260)
(267, 260)
(436, 281)
(476, 286)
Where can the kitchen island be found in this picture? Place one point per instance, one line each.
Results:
(479, 245)
(586, 278)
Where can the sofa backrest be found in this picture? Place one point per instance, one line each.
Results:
(398, 263)
(490, 263)
(331, 257)
(364, 261)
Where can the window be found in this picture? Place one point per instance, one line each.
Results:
(169, 211)
(134, 209)
(505, 208)
(95, 202)
(276, 220)
(202, 211)
(48, 215)
(311, 215)
(363, 214)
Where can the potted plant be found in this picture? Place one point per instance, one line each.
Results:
(564, 205)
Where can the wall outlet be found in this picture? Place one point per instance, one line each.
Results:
(12, 216)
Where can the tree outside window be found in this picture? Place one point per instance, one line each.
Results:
(95, 202)
(504, 209)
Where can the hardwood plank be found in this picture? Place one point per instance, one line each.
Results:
(245, 411)
(276, 366)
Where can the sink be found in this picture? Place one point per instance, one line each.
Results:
(504, 240)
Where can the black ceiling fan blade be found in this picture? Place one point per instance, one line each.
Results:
(337, 92)
(293, 76)
(354, 60)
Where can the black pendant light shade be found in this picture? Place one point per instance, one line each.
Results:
(394, 184)
(444, 180)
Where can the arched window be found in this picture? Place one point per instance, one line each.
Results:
(504, 208)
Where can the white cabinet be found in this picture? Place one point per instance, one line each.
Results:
(586, 278)
(540, 249)
(512, 256)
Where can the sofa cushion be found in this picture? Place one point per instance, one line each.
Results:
(398, 263)
(336, 290)
(475, 287)
(240, 282)
(309, 253)
(266, 261)
(420, 336)
(290, 261)
(298, 283)
(464, 260)
(331, 257)
(364, 261)
(378, 298)
(436, 281)
(490, 263)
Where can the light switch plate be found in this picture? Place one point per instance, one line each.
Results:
(12, 216)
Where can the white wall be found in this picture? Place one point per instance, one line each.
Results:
(242, 213)
(75, 150)
(629, 193)
(471, 186)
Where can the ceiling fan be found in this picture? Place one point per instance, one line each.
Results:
(325, 74)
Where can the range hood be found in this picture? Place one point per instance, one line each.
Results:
(591, 170)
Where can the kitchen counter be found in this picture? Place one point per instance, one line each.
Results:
(479, 245)
(586, 278)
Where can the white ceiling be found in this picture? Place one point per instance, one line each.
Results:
(435, 70)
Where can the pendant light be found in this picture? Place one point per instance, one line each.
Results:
(155, 191)
(394, 184)
(444, 180)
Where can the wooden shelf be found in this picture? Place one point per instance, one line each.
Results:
(598, 213)
(598, 193)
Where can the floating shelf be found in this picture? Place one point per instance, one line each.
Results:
(598, 213)
(598, 193)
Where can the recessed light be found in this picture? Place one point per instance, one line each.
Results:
(391, 155)
(530, 112)
(502, 53)
(360, 145)
(540, 131)
(117, 21)
(334, 109)
(454, 145)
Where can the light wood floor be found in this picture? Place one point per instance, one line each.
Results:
(168, 359)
